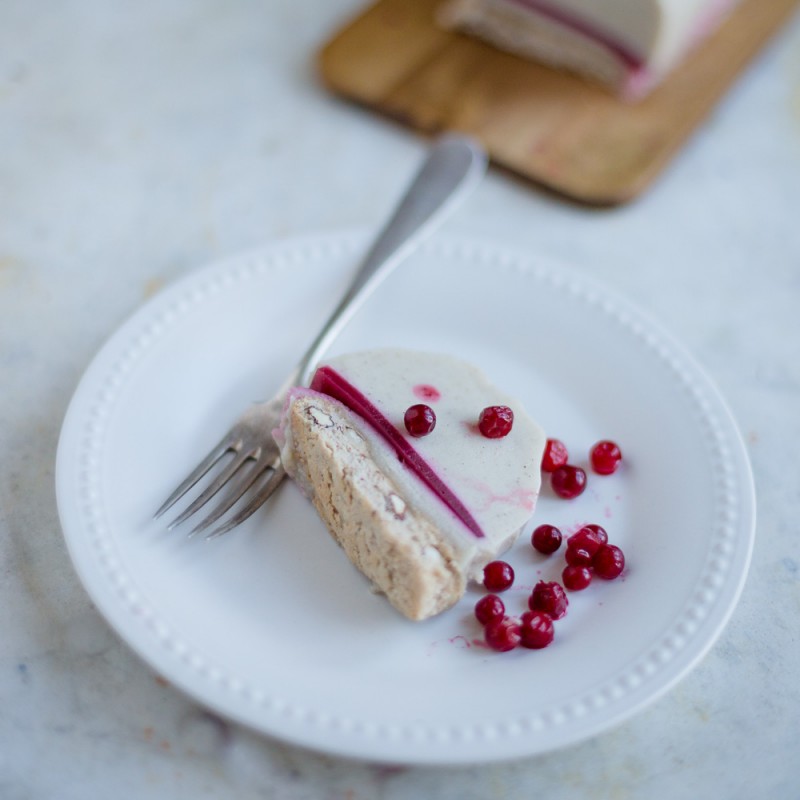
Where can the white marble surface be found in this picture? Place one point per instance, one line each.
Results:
(139, 141)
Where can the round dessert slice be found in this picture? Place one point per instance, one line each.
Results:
(419, 516)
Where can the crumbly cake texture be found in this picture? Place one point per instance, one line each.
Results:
(391, 525)
(630, 46)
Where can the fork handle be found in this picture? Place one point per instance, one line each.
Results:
(452, 169)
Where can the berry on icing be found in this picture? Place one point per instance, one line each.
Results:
(495, 422)
(419, 420)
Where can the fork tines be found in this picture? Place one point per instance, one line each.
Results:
(248, 472)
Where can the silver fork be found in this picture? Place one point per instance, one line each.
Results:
(253, 470)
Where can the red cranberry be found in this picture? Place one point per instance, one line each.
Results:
(577, 556)
(503, 634)
(536, 630)
(546, 539)
(605, 457)
(597, 530)
(576, 578)
(420, 420)
(549, 598)
(608, 562)
(555, 455)
(498, 576)
(568, 481)
(590, 538)
(495, 422)
(489, 608)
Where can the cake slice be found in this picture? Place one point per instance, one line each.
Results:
(420, 516)
(628, 45)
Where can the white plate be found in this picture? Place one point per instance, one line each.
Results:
(271, 626)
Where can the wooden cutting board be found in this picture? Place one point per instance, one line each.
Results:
(549, 127)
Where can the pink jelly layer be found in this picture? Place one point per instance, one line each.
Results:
(329, 382)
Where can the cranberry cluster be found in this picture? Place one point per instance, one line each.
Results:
(588, 553)
(568, 480)
(533, 629)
